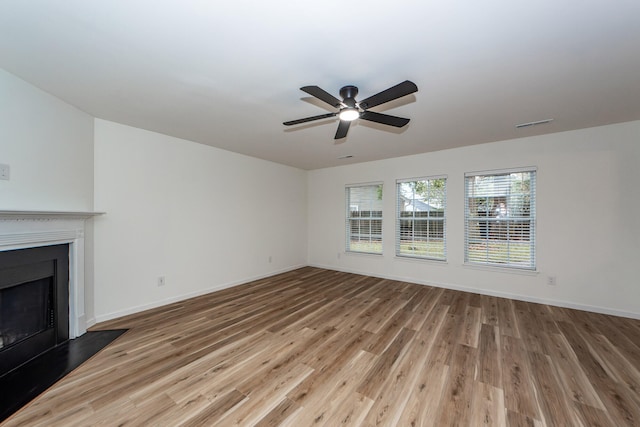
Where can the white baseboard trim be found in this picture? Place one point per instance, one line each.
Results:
(91, 322)
(557, 303)
(178, 298)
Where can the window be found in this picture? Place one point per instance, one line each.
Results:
(500, 218)
(420, 219)
(364, 218)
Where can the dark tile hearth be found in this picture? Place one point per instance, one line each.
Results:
(23, 384)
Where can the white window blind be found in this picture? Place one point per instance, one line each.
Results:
(500, 218)
(364, 218)
(420, 218)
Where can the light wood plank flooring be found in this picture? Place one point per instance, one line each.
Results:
(317, 347)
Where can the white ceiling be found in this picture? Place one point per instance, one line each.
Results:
(227, 74)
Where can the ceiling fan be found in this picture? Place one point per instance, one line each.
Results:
(350, 109)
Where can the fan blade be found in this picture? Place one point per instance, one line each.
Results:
(322, 95)
(385, 119)
(343, 128)
(310, 119)
(395, 92)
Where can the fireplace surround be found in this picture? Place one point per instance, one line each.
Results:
(33, 229)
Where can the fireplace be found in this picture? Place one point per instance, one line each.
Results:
(34, 303)
(37, 229)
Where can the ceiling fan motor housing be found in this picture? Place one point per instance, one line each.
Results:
(348, 94)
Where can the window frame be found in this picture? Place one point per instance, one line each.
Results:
(349, 219)
(511, 262)
(428, 220)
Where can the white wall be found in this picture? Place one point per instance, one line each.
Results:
(588, 226)
(48, 145)
(202, 217)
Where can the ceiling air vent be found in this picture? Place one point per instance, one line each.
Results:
(539, 122)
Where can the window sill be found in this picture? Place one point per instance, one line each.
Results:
(418, 259)
(362, 253)
(508, 270)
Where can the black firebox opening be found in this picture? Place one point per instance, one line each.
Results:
(26, 310)
(34, 303)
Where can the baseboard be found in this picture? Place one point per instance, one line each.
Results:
(182, 297)
(91, 322)
(557, 303)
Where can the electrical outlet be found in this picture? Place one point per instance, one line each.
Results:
(161, 281)
(338, 255)
(551, 280)
(270, 258)
(5, 172)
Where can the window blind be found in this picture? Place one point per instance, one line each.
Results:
(420, 218)
(364, 218)
(500, 218)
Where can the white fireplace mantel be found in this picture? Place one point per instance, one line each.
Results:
(29, 228)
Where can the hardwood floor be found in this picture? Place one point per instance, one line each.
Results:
(28, 381)
(318, 347)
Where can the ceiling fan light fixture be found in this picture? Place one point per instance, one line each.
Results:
(350, 109)
(349, 114)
